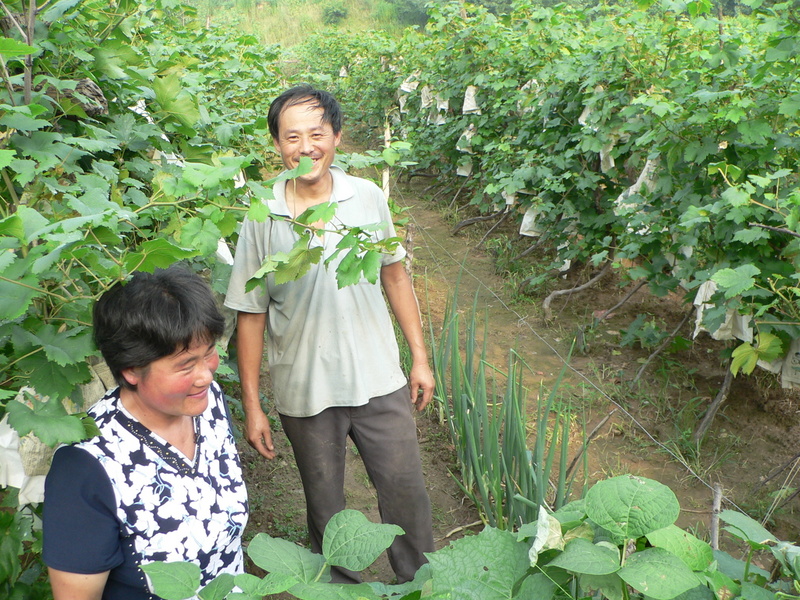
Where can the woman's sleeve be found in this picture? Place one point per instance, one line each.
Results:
(80, 526)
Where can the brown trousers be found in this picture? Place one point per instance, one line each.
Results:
(385, 433)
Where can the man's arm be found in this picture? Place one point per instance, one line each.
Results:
(400, 293)
(250, 351)
(77, 586)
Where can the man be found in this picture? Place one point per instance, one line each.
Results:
(333, 357)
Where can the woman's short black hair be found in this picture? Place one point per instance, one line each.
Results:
(152, 316)
(305, 94)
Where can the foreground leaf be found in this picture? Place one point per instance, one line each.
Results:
(481, 567)
(331, 591)
(583, 557)
(658, 574)
(218, 588)
(273, 583)
(173, 580)
(738, 280)
(747, 529)
(353, 542)
(283, 557)
(630, 507)
(696, 553)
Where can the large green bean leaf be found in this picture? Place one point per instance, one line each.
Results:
(630, 507)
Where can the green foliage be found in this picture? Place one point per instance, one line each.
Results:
(571, 556)
(130, 138)
(663, 138)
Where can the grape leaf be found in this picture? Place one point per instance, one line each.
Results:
(48, 420)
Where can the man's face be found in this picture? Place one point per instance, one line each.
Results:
(301, 133)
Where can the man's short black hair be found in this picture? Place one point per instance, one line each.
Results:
(152, 316)
(305, 94)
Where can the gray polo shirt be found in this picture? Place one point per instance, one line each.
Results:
(325, 346)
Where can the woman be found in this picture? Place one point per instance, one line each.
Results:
(162, 481)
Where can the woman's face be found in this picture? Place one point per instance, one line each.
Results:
(175, 385)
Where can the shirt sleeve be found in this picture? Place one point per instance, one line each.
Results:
(80, 527)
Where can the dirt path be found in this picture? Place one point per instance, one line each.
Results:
(756, 431)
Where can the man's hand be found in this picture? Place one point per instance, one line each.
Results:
(258, 433)
(422, 384)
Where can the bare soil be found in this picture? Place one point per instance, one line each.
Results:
(755, 433)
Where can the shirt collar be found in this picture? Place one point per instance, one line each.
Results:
(342, 191)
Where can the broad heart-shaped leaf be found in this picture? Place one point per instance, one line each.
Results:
(47, 420)
(329, 591)
(353, 542)
(750, 591)
(734, 568)
(722, 585)
(480, 567)
(630, 506)
(610, 586)
(273, 583)
(747, 529)
(538, 586)
(700, 592)
(738, 280)
(217, 588)
(173, 580)
(658, 573)
(789, 556)
(283, 557)
(696, 553)
(583, 557)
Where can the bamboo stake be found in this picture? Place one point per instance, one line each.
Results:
(715, 510)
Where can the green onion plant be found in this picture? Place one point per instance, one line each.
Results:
(488, 425)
